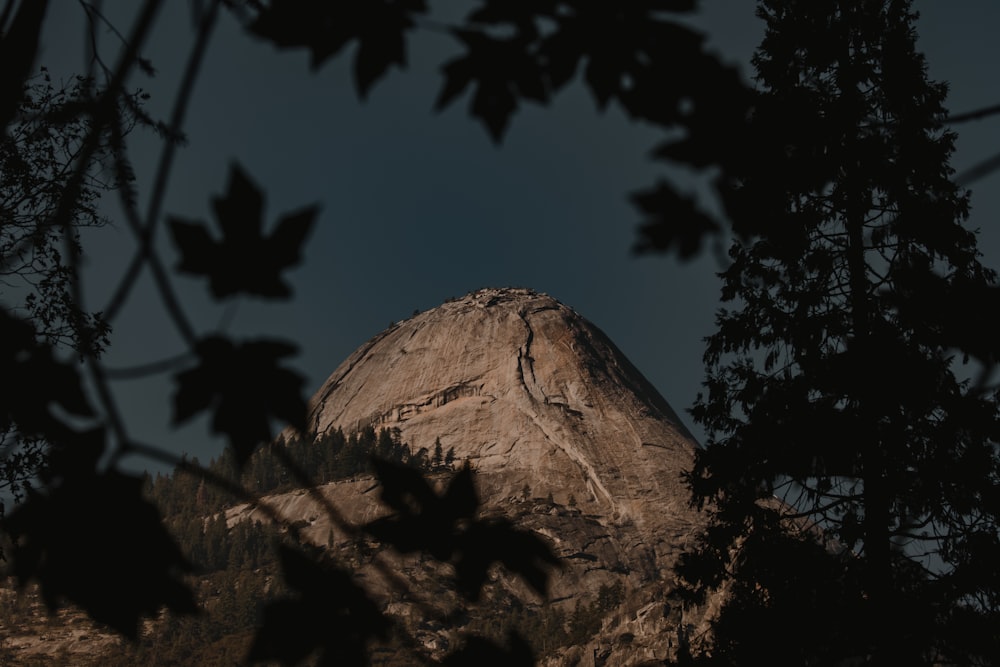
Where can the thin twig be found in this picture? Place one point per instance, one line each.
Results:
(103, 115)
(135, 224)
(984, 168)
(146, 232)
(978, 114)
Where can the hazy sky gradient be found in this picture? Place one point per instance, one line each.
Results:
(418, 207)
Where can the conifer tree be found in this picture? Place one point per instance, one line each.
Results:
(839, 376)
(437, 458)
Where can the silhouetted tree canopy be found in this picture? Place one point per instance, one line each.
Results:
(843, 374)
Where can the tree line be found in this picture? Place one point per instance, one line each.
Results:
(330, 457)
(237, 570)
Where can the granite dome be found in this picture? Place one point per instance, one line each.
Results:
(543, 406)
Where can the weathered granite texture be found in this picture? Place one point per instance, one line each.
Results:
(522, 386)
(537, 399)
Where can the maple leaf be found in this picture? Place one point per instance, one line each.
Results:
(503, 70)
(379, 26)
(446, 527)
(329, 613)
(35, 383)
(244, 261)
(673, 222)
(632, 54)
(244, 387)
(95, 541)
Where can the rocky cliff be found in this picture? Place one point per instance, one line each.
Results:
(564, 433)
(567, 440)
(530, 392)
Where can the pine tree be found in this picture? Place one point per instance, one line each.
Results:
(437, 458)
(201, 497)
(838, 376)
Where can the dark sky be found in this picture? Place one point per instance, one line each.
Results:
(418, 207)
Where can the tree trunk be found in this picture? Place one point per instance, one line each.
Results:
(876, 497)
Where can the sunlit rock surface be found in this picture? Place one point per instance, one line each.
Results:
(564, 433)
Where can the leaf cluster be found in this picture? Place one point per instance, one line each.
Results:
(71, 539)
(446, 527)
(641, 56)
(329, 613)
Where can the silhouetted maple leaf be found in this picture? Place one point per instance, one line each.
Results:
(673, 222)
(631, 53)
(94, 540)
(503, 71)
(329, 613)
(245, 387)
(35, 387)
(244, 260)
(325, 27)
(445, 526)
(496, 540)
(423, 521)
(70, 457)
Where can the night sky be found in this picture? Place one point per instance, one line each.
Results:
(418, 207)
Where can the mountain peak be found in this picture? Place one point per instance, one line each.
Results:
(528, 391)
(566, 436)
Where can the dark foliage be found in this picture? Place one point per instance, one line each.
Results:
(446, 527)
(93, 540)
(329, 613)
(299, 623)
(37, 388)
(639, 55)
(36, 151)
(324, 28)
(244, 387)
(833, 176)
(835, 377)
(244, 261)
(674, 222)
(42, 316)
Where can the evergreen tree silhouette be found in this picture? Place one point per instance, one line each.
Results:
(836, 381)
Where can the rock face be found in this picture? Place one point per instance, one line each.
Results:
(543, 406)
(530, 392)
